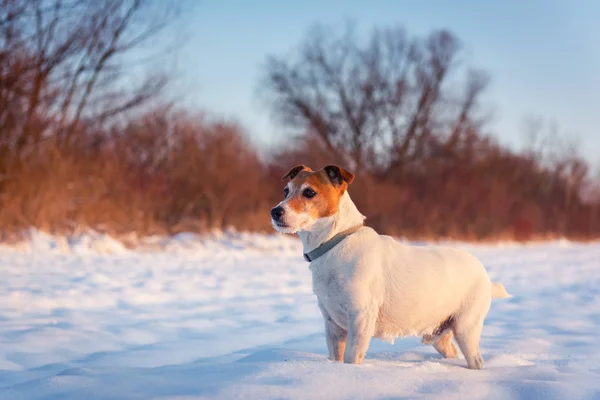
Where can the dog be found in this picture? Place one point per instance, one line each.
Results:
(371, 285)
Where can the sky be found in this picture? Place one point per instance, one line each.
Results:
(543, 56)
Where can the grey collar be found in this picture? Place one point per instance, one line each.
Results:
(330, 244)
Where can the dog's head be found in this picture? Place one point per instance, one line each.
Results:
(308, 196)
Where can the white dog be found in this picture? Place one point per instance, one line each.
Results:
(370, 285)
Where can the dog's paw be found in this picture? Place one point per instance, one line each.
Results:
(475, 363)
(357, 360)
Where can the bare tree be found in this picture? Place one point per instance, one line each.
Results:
(374, 104)
(556, 155)
(63, 63)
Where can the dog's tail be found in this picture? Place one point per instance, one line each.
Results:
(499, 292)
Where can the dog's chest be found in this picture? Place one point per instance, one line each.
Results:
(328, 286)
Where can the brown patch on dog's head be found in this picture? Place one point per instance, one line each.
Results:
(294, 171)
(316, 193)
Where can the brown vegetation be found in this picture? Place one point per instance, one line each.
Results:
(78, 150)
(405, 116)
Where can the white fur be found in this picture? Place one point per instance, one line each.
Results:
(371, 285)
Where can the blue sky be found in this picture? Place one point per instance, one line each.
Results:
(543, 56)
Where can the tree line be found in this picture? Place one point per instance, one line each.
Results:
(84, 145)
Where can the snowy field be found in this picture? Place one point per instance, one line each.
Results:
(234, 317)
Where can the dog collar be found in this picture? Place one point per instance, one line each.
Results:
(330, 244)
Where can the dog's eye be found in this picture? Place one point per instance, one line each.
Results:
(309, 193)
(286, 191)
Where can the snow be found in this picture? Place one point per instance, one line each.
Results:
(233, 316)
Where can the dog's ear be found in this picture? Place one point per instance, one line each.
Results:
(294, 171)
(337, 175)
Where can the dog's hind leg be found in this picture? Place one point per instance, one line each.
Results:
(441, 338)
(467, 338)
(468, 326)
(443, 344)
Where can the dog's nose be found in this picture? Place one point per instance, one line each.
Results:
(277, 212)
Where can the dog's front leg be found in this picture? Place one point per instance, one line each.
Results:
(336, 337)
(361, 325)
